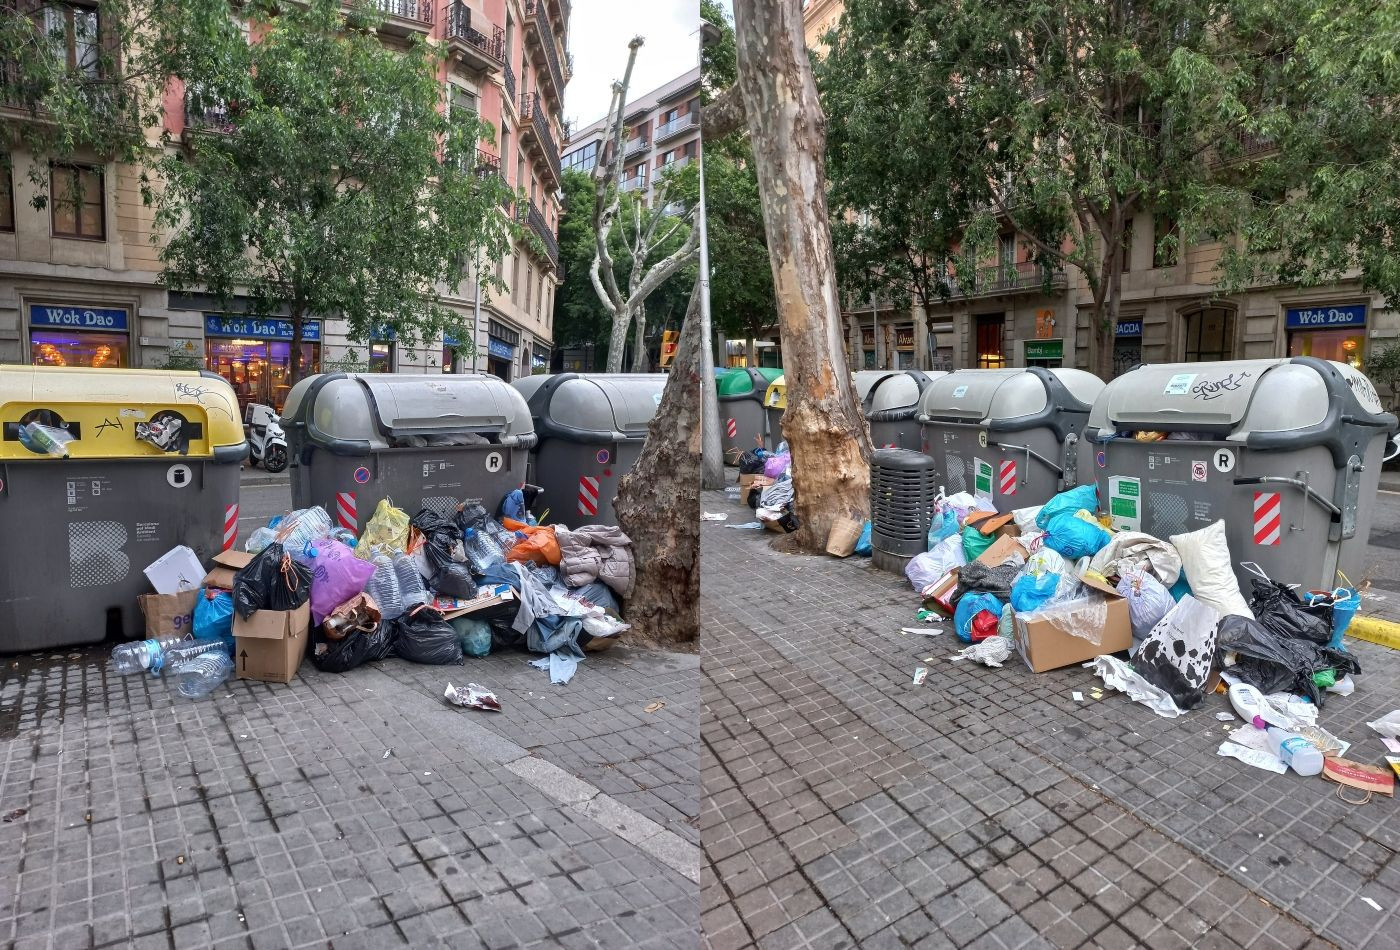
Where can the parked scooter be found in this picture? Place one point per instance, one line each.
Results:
(267, 444)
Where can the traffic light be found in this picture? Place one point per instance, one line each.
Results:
(669, 338)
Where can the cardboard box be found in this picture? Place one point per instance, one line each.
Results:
(269, 646)
(176, 570)
(1000, 549)
(1045, 647)
(226, 564)
(168, 615)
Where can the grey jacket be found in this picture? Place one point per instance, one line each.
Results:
(596, 553)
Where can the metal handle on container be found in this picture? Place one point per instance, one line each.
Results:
(1030, 454)
(1395, 440)
(1296, 483)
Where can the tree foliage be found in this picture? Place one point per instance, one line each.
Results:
(323, 178)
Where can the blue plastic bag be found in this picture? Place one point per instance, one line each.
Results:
(1346, 602)
(1180, 589)
(213, 616)
(1031, 592)
(943, 525)
(1073, 537)
(1068, 502)
(970, 605)
(863, 542)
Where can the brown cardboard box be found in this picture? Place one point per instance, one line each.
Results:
(168, 615)
(1044, 647)
(226, 564)
(999, 549)
(270, 645)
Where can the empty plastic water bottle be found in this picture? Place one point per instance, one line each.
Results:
(504, 539)
(303, 526)
(200, 676)
(259, 539)
(140, 655)
(175, 657)
(383, 588)
(412, 591)
(482, 550)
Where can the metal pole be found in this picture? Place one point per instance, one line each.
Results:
(476, 316)
(875, 314)
(711, 450)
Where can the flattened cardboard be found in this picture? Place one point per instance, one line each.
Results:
(226, 564)
(168, 615)
(998, 550)
(1043, 647)
(269, 645)
(174, 571)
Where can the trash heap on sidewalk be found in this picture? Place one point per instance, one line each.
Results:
(1162, 620)
(765, 483)
(427, 588)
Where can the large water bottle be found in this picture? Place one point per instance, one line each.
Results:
(175, 657)
(383, 588)
(303, 526)
(482, 550)
(412, 591)
(200, 676)
(140, 655)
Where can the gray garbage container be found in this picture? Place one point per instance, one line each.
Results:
(743, 422)
(892, 407)
(866, 379)
(1287, 451)
(421, 441)
(1009, 435)
(590, 430)
(79, 531)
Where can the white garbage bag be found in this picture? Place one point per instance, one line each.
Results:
(1205, 557)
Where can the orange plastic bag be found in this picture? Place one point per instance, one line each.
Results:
(539, 544)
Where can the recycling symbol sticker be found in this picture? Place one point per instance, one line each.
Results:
(178, 476)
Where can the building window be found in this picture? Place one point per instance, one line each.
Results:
(7, 199)
(463, 101)
(1006, 254)
(1210, 335)
(73, 34)
(381, 357)
(76, 200)
(582, 159)
(505, 149)
(990, 353)
(1163, 227)
(529, 284)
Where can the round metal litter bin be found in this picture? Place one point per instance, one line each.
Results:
(1008, 435)
(892, 408)
(903, 490)
(590, 431)
(80, 530)
(743, 423)
(1287, 451)
(422, 441)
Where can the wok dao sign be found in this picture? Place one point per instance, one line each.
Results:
(78, 318)
(1302, 318)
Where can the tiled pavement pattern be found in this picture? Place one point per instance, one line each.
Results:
(346, 811)
(844, 806)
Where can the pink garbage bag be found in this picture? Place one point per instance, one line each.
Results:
(775, 465)
(336, 576)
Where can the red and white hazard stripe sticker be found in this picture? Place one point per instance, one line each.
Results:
(230, 526)
(345, 511)
(732, 428)
(588, 495)
(1007, 477)
(1268, 517)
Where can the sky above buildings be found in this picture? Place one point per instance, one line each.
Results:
(598, 37)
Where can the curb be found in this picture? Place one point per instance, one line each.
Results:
(1386, 633)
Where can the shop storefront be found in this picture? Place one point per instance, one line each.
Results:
(1127, 345)
(1329, 333)
(539, 359)
(65, 335)
(501, 342)
(904, 346)
(254, 355)
(1049, 354)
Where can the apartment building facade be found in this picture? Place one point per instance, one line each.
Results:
(79, 284)
(662, 131)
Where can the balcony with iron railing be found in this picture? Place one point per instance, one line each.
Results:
(509, 78)
(635, 145)
(535, 124)
(204, 113)
(405, 17)
(529, 215)
(546, 43)
(999, 280)
(681, 123)
(476, 42)
(485, 164)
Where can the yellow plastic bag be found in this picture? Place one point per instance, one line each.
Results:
(386, 532)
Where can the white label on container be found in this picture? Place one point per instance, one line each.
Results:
(494, 461)
(982, 478)
(1179, 385)
(1125, 502)
(178, 476)
(1224, 460)
(982, 438)
(960, 392)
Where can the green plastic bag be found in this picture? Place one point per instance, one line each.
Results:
(975, 542)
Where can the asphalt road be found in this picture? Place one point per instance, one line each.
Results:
(261, 501)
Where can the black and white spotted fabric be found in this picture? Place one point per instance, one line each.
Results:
(1177, 655)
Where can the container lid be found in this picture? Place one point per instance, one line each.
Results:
(776, 396)
(372, 408)
(897, 394)
(100, 409)
(747, 381)
(866, 380)
(601, 405)
(990, 396)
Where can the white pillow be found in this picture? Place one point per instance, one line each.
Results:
(1205, 557)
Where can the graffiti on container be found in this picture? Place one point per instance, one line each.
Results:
(199, 393)
(108, 424)
(1215, 388)
(1363, 390)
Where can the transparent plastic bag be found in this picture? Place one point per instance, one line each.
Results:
(259, 539)
(1083, 617)
(301, 527)
(385, 533)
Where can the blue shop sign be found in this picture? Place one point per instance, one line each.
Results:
(259, 328)
(383, 334)
(500, 348)
(1130, 328)
(77, 318)
(1303, 318)
(449, 340)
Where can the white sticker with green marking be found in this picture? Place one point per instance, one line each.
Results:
(1125, 502)
(982, 478)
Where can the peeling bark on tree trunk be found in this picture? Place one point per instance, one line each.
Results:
(658, 503)
(823, 424)
(640, 362)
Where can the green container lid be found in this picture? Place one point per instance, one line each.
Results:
(740, 382)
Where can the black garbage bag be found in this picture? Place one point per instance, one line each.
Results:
(440, 537)
(454, 580)
(750, 463)
(423, 636)
(976, 576)
(271, 581)
(357, 648)
(1275, 663)
(471, 516)
(1279, 609)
